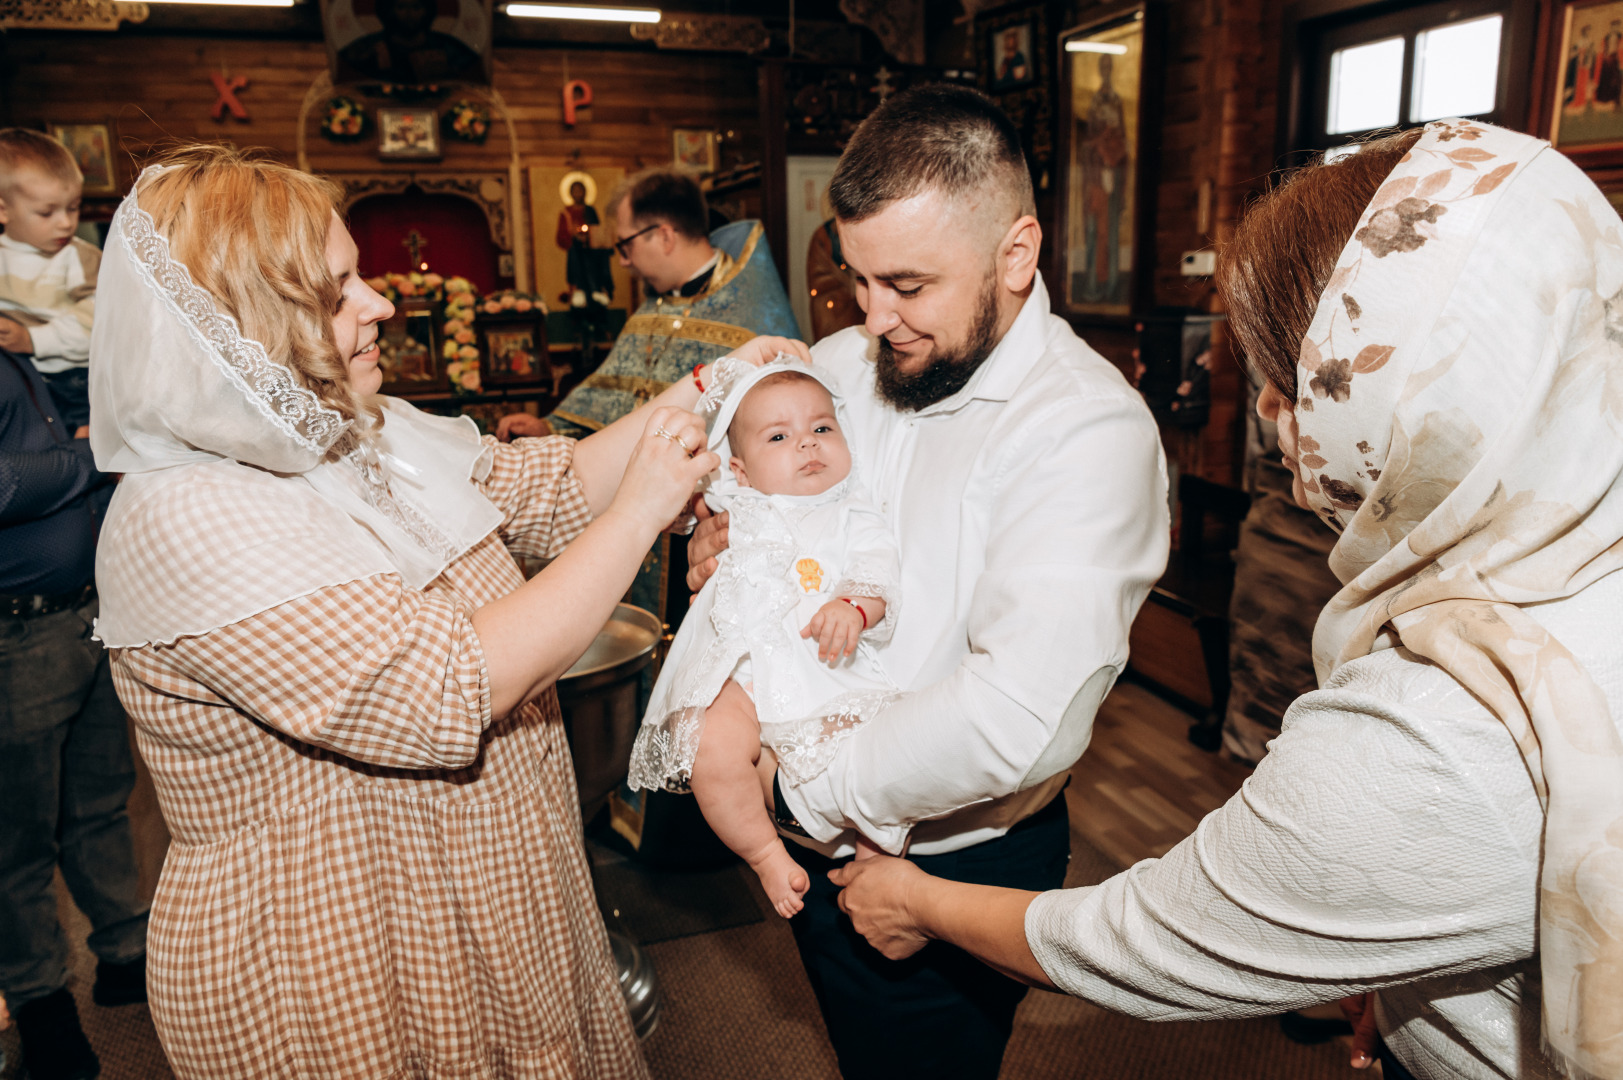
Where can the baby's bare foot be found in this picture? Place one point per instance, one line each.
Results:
(782, 878)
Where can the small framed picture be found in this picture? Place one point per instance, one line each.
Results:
(1588, 91)
(693, 150)
(92, 147)
(410, 351)
(409, 134)
(514, 345)
(1009, 49)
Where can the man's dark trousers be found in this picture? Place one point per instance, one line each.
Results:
(940, 1013)
(66, 770)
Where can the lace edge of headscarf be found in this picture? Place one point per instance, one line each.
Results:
(272, 388)
(375, 489)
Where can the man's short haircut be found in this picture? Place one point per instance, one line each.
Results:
(933, 137)
(665, 195)
(23, 149)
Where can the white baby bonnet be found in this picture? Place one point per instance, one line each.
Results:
(731, 381)
(227, 507)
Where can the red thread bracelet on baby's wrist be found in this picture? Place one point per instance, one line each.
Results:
(853, 603)
(696, 381)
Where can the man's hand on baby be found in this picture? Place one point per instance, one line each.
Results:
(837, 626)
(14, 337)
(708, 541)
(763, 350)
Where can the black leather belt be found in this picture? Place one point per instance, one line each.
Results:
(37, 604)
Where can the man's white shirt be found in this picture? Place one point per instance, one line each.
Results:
(1031, 513)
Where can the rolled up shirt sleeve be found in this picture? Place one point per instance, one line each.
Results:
(1375, 845)
(371, 669)
(1075, 536)
(533, 483)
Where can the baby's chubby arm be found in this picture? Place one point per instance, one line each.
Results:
(839, 624)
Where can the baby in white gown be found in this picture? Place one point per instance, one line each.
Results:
(778, 649)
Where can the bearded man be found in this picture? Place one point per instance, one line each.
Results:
(1025, 484)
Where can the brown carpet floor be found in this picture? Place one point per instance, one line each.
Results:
(736, 1006)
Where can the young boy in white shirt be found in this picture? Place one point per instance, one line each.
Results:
(47, 275)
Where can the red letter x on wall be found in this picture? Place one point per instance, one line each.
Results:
(228, 95)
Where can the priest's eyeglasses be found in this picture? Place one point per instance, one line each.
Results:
(621, 246)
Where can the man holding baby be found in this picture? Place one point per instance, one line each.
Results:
(1024, 482)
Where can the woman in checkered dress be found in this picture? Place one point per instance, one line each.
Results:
(339, 677)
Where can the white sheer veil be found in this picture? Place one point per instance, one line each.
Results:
(181, 400)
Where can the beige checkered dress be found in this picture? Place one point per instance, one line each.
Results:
(369, 877)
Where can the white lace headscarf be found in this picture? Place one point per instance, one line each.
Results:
(1460, 421)
(176, 388)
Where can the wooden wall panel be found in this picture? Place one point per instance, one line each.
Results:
(157, 90)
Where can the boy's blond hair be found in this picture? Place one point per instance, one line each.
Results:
(22, 149)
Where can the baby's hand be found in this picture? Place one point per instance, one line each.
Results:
(14, 337)
(836, 626)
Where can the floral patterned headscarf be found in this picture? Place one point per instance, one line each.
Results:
(1460, 418)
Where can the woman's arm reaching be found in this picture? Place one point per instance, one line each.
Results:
(600, 458)
(899, 908)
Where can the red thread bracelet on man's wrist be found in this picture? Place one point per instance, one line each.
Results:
(853, 603)
(696, 381)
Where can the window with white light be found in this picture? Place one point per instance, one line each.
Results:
(1366, 86)
(1456, 69)
(1366, 73)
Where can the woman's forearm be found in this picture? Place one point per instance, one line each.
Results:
(600, 458)
(985, 921)
(531, 636)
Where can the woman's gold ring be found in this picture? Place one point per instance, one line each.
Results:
(677, 439)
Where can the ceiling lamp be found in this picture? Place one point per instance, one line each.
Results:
(582, 11)
(1097, 47)
(231, 3)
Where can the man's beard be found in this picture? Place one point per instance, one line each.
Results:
(944, 373)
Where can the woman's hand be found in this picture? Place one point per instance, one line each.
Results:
(1360, 1013)
(876, 894)
(661, 476)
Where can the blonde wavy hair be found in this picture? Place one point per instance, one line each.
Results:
(253, 233)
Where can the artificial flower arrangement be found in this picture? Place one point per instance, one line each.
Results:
(412, 286)
(460, 353)
(344, 120)
(511, 300)
(468, 121)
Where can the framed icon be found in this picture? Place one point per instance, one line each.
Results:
(514, 346)
(92, 147)
(409, 134)
(693, 150)
(410, 350)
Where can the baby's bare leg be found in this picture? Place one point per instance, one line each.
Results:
(729, 794)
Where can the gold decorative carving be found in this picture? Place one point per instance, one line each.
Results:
(487, 191)
(725, 33)
(69, 14)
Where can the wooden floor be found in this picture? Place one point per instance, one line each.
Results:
(1142, 786)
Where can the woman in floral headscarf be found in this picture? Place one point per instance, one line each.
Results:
(1440, 321)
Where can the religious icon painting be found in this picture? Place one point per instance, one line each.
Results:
(400, 44)
(409, 134)
(92, 147)
(1010, 50)
(1587, 112)
(409, 351)
(693, 150)
(514, 348)
(1100, 199)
